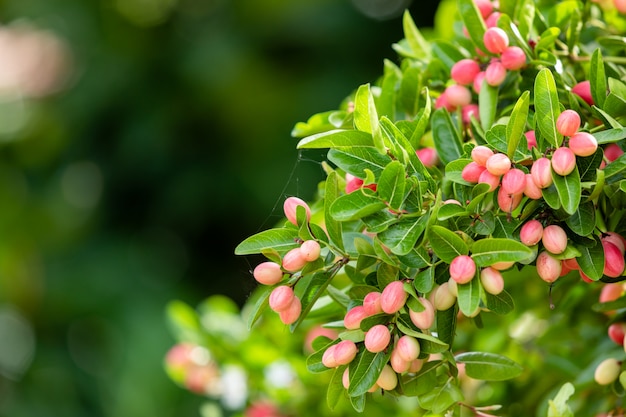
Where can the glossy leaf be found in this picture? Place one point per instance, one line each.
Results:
(568, 189)
(474, 22)
(282, 239)
(309, 289)
(469, 296)
(446, 244)
(416, 41)
(547, 109)
(364, 370)
(501, 303)
(597, 78)
(336, 138)
(355, 160)
(487, 105)
(391, 185)
(516, 125)
(489, 366)
(446, 137)
(583, 220)
(440, 399)
(335, 387)
(333, 227)
(591, 260)
(401, 237)
(486, 252)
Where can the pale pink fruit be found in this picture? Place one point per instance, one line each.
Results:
(310, 250)
(371, 303)
(478, 81)
(513, 58)
(428, 156)
(613, 260)
(531, 140)
(464, 71)
(498, 164)
(583, 90)
(469, 111)
(289, 207)
(508, 202)
(291, 314)
(458, 95)
(492, 19)
(487, 177)
(328, 357)
(408, 348)
(397, 363)
(495, 73)
(443, 299)
(514, 181)
(442, 101)
(568, 122)
(532, 191)
(452, 201)
(620, 5)
(416, 365)
(462, 269)
(531, 232)
(423, 319)
(485, 7)
(554, 239)
(611, 291)
(345, 351)
(492, 280)
(268, 273)
(548, 267)
(496, 40)
(354, 316)
(480, 154)
(345, 378)
(502, 266)
(607, 371)
(541, 172)
(281, 298)
(571, 264)
(563, 161)
(453, 287)
(583, 144)
(377, 338)
(393, 297)
(293, 260)
(315, 332)
(471, 172)
(387, 379)
(612, 151)
(616, 239)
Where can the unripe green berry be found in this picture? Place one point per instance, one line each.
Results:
(607, 371)
(387, 379)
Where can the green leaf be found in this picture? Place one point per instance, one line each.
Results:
(446, 244)
(446, 324)
(333, 227)
(610, 135)
(591, 260)
(355, 205)
(364, 371)
(401, 237)
(501, 303)
(336, 138)
(335, 387)
(489, 366)
(428, 344)
(366, 116)
(488, 251)
(356, 160)
(416, 41)
(568, 189)
(597, 78)
(583, 221)
(497, 137)
(386, 274)
(282, 239)
(423, 381)
(386, 101)
(320, 122)
(487, 105)
(469, 296)
(260, 303)
(446, 137)
(440, 399)
(183, 321)
(309, 289)
(558, 406)
(473, 21)
(547, 108)
(391, 185)
(423, 120)
(516, 126)
(615, 171)
(314, 361)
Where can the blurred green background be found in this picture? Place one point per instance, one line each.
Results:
(140, 142)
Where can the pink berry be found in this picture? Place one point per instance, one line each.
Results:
(471, 172)
(345, 351)
(620, 5)
(568, 123)
(289, 207)
(495, 73)
(398, 364)
(487, 177)
(492, 280)
(281, 298)
(583, 144)
(423, 319)
(531, 140)
(616, 239)
(492, 19)
(428, 156)
(268, 273)
(513, 58)
(293, 260)
(291, 314)
(612, 152)
(464, 71)
(310, 250)
(508, 202)
(583, 90)
(532, 191)
(498, 164)
(554, 239)
(478, 82)
(548, 267)
(531, 232)
(393, 297)
(468, 111)
(541, 172)
(371, 303)
(514, 181)
(613, 260)
(377, 338)
(458, 95)
(485, 7)
(345, 378)
(328, 357)
(408, 348)
(563, 161)
(462, 269)
(352, 183)
(496, 40)
(480, 154)
(611, 292)
(442, 101)
(616, 332)
(354, 316)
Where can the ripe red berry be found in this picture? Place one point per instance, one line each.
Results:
(428, 156)
(468, 111)
(583, 90)
(492, 19)
(478, 81)
(495, 73)
(531, 140)
(513, 58)
(612, 151)
(613, 259)
(563, 161)
(616, 332)
(568, 123)
(485, 7)
(462, 269)
(616, 239)
(583, 144)
(496, 40)
(464, 71)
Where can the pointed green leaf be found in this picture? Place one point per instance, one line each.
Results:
(309, 289)
(597, 78)
(335, 387)
(401, 237)
(364, 371)
(487, 105)
(583, 221)
(516, 126)
(591, 260)
(568, 189)
(501, 303)
(469, 296)
(333, 227)
(336, 138)
(473, 21)
(282, 239)
(489, 366)
(355, 205)
(366, 116)
(446, 244)
(257, 304)
(446, 137)
(440, 399)
(488, 251)
(446, 324)
(391, 185)
(558, 406)
(355, 160)
(416, 41)
(547, 109)
(423, 120)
